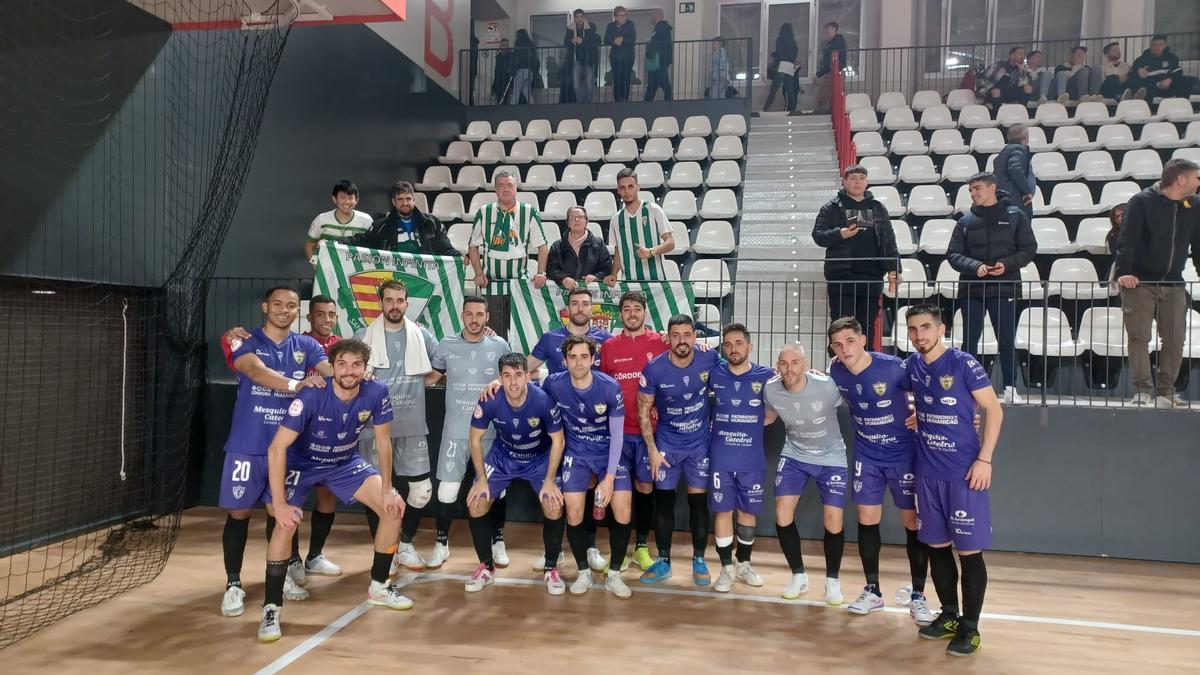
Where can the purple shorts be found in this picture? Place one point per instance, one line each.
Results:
(343, 480)
(244, 481)
(950, 511)
(577, 471)
(870, 481)
(635, 455)
(692, 463)
(502, 470)
(741, 490)
(793, 475)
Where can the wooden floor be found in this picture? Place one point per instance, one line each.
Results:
(1048, 614)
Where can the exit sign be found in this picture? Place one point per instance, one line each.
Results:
(687, 8)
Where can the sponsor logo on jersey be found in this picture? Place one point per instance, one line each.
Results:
(927, 399)
(948, 400)
(835, 478)
(883, 404)
(642, 380)
(909, 477)
(296, 408)
(341, 435)
(478, 414)
(735, 401)
(864, 405)
(817, 406)
(754, 402)
(946, 381)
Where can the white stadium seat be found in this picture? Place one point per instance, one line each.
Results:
(530, 198)
(1092, 236)
(975, 116)
(460, 236)
(1134, 111)
(553, 234)
(697, 125)
(914, 282)
(1102, 331)
(899, 119)
(1092, 113)
(568, 130)
(679, 233)
(958, 168)
(693, 149)
(1051, 166)
(1115, 194)
(685, 176)
(904, 238)
(958, 99)
(1012, 113)
(1073, 139)
(436, 178)
(538, 131)
(889, 196)
(1076, 279)
(680, 205)
(1040, 208)
(589, 150)
(1176, 110)
(620, 150)
(719, 204)
(908, 143)
(1142, 164)
(470, 179)
(918, 169)
(421, 202)
(555, 152)
(458, 152)
(928, 200)
(935, 236)
(1031, 283)
(575, 177)
(1037, 140)
(926, 98)
(557, 204)
(658, 150)
(727, 147)
(1097, 166)
(632, 127)
(606, 177)
(601, 128)
(869, 144)
(1117, 137)
(1161, 135)
(962, 199)
(1051, 235)
(710, 278)
(858, 102)
(715, 237)
(448, 207)
(1187, 153)
(600, 205)
(1073, 199)
(723, 173)
(521, 152)
(477, 131)
(985, 141)
(879, 170)
(598, 233)
(650, 175)
(508, 130)
(1053, 115)
(948, 142)
(731, 125)
(988, 344)
(708, 314)
(863, 119)
(1045, 331)
(938, 117)
(664, 127)
(539, 177)
(478, 201)
(890, 100)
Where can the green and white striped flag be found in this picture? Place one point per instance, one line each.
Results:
(351, 275)
(537, 311)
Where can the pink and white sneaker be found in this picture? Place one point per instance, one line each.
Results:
(482, 577)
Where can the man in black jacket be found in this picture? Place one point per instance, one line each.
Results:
(1152, 248)
(580, 256)
(835, 44)
(621, 35)
(989, 246)
(583, 53)
(1157, 72)
(860, 248)
(1014, 170)
(405, 229)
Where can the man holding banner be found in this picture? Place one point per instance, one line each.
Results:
(501, 236)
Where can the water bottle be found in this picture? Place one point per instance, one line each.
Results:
(598, 507)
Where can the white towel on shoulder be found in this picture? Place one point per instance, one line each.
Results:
(416, 357)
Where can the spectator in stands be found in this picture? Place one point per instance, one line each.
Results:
(502, 234)
(340, 223)
(834, 43)
(473, 70)
(640, 234)
(405, 229)
(1040, 78)
(1152, 249)
(1116, 215)
(660, 54)
(860, 249)
(1157, 71)
(579, 257)
(989, 246)
(785, 55)
(1014, 170)
(718, 73)
(1005, 81)
(502, 76)
(621, 35)
(1071, 79)
(1115, 74)
(583, 53)
(525, 62)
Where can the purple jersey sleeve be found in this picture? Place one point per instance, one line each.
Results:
(542, 350)
(973, 374)
(482, 417)
(381, 409)
(300, 411)
(314, 353)
(241, 347)
(553, 417)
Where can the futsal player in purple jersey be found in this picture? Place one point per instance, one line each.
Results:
(954, 472)
(317, 444)
(876, 388)
(737, 457)
(271, 364)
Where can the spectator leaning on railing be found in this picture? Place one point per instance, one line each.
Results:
(583, 54)
(989, 246)
(1161, 222)
(1014, 170)
(621, 35)
(860, 248)
(1005, 81)
(660, 54)
(834, 43)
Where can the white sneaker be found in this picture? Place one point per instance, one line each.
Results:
(796, 587)
(725, 579)
(554, 582)
(1164, 402)
(292, 591)
(904, 595)
(1011, 396)
(500, 554)
(583, 583)
(408, 558)
(296, 573)
(322, 566)
(233, 603)
(866, 603)
(919, 610)
(270, 629)
(539, 563)
(595, 560)
(616, 585)
(387, 595)
(833, 592)
(748, 574)
(441, 553)
(1140, 399)
(482, 577)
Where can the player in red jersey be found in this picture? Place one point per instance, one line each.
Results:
(623, 357)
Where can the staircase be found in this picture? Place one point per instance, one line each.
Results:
(791, 171)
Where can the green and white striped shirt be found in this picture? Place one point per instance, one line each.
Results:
(326, 227)
(505, 238)
(645, 227)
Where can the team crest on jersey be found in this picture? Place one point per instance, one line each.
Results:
(535, 422)
(704, 376)
(238, 491)
(946, 381)
(756, 387)
(298, 356)
(296, 408)
(364, 415)
(601, 408)
(717, 497)
(880, 388)
(291, 492)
